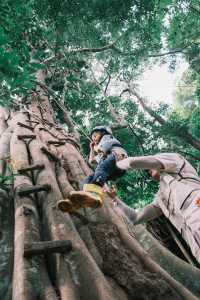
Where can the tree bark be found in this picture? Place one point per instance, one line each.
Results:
(176, 267)
(106, 261)
(30, 278)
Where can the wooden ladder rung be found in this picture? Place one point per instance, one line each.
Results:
(25, 126)
(71, 141)
(26, 136)
(50, 154)
(56, 142)
(34, 167)
(35, 122)
(25, 191)
(46, 247)
(59, 128)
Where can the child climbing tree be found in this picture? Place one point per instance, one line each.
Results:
(46, 47)
(58, 256)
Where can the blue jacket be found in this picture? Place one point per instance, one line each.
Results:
(109, 143)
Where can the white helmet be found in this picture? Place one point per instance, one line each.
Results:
(103, 129)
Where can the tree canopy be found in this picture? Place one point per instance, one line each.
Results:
(93, 53)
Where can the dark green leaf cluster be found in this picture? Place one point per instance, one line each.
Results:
(67, 39)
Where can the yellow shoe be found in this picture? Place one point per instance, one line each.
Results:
(91, 196)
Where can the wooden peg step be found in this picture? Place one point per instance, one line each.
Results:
(37, 167)
(46, 247)
(26, 136)
(49, 154)
(59, 128)
(25, 126)
(34, 122)
(51, 142)
(71, 141)
(26, 112)
(25, 191)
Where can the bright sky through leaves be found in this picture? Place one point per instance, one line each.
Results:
(158, 83)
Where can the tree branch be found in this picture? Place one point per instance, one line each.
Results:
(147, 108)
(97, 49)
(82, 50)
(118, 126)
(124, 91)
(111, 108)
(195, 8)
(121, 122)
(171, 52)
(181, 133)
(107, 84)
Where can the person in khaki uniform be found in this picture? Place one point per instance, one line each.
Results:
(178, 197)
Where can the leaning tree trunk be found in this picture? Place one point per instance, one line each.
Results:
(89, 255)
(179, 132)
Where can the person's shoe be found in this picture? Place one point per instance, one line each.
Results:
(65, 205)
(91, 196)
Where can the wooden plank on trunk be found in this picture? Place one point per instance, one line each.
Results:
(34, 122)
(28, 282)
(71, 141)
(33, 167)
(25, 126)
(26, 136)
(25, 191)
(49, 154)
(56, 142)
(46, 247)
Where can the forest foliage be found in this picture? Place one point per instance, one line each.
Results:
(94, 53)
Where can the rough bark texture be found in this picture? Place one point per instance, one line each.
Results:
(184, 272)
(106, 261)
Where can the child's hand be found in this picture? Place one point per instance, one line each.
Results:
(118, 156)
(92, 144)
(110, 191)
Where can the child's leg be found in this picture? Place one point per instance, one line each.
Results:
(117, 173)
(88, 179)
(105, 169)
(66, 205)
(92, 194)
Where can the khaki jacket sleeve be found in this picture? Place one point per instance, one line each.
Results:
(168, 162)
(128, 211)
(149, 212)
(146, 162)
(140, 162)
(172, 162)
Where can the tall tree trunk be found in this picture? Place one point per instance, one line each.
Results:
(103, 260)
